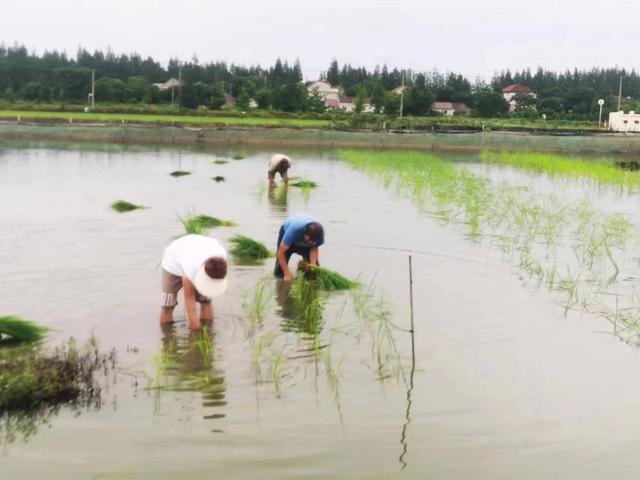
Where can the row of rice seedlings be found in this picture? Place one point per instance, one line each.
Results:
(122, 206)
(17, 330)
(544, 233)
(179, 173)
(600, 170)
(247, 248)
(200, 224)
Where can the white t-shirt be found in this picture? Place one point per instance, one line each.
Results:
(275, 161)
(184, 256)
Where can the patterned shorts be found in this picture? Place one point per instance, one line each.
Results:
(171, 285)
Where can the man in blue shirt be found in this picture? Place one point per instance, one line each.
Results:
(299, 234)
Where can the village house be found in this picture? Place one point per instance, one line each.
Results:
(514, 89)
(171, 83)
(450, 108)
(328, 91)
(624, 122)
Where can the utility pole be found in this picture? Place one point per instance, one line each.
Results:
(402, 95)
(93, 89)
(179, 85)
(620, 92)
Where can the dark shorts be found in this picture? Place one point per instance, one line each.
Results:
(171, 285)
(304, 252)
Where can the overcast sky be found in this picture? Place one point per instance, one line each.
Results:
(476, 38)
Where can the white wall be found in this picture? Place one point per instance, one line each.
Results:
(624, 122)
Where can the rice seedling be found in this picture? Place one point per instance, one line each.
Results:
(179, 173)
(238, 156)
(304, 184)
(247, 248)
(122, 206)
(257, 304)
(199, 224)
(327, 279)
(218, 178)
(220, 162)
(16, 330)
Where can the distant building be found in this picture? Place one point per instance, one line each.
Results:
(450, 108)
(624, 122)
(348, 104)
(171, 83)
(400, 90)
(330, 93)
(514, 89)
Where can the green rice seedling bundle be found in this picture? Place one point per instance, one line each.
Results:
(237, 156)
(15, 329)
(179, 173)
(122, 206)
(304, 184)
(220, 162)
(198, 224)
(245, 247)
(217, 178)
(327, 279)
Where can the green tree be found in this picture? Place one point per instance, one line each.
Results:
(315, 102)
(392, 103)
(489, 103)
(218, 97)
(244, 99)
(418, 99)
(32, 91)
(378, 97)
(263, 98)
(333, 74)
(291, 97)
(359, 101)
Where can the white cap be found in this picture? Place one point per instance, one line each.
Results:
(207, 286)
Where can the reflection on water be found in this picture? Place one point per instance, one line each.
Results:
(188, 364)
(301, 305)
(278, 196)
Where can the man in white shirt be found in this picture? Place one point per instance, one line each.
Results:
(279, 163)
(199, 265)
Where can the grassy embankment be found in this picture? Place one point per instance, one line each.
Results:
(153, 115)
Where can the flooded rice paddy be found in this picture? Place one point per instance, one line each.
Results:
(525, 302)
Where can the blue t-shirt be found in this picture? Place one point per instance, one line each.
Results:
(294, 231)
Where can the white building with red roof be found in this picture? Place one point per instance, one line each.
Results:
(514, 89)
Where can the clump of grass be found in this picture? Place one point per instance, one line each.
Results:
(179, 173)
(237, 156)
(14, 329)
(220, 162)
(31, 377)
(248, 248)
(122, 206)
(199, 224)
(305, 184)
(327, 279)
(218, 178)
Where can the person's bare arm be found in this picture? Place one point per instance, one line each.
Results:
(282, 259)
(313, 256)
(190, 303)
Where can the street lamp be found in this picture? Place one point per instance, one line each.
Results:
(601, 103)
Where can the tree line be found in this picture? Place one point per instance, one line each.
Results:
(54, 77)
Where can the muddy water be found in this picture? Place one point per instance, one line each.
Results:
(505, 385)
